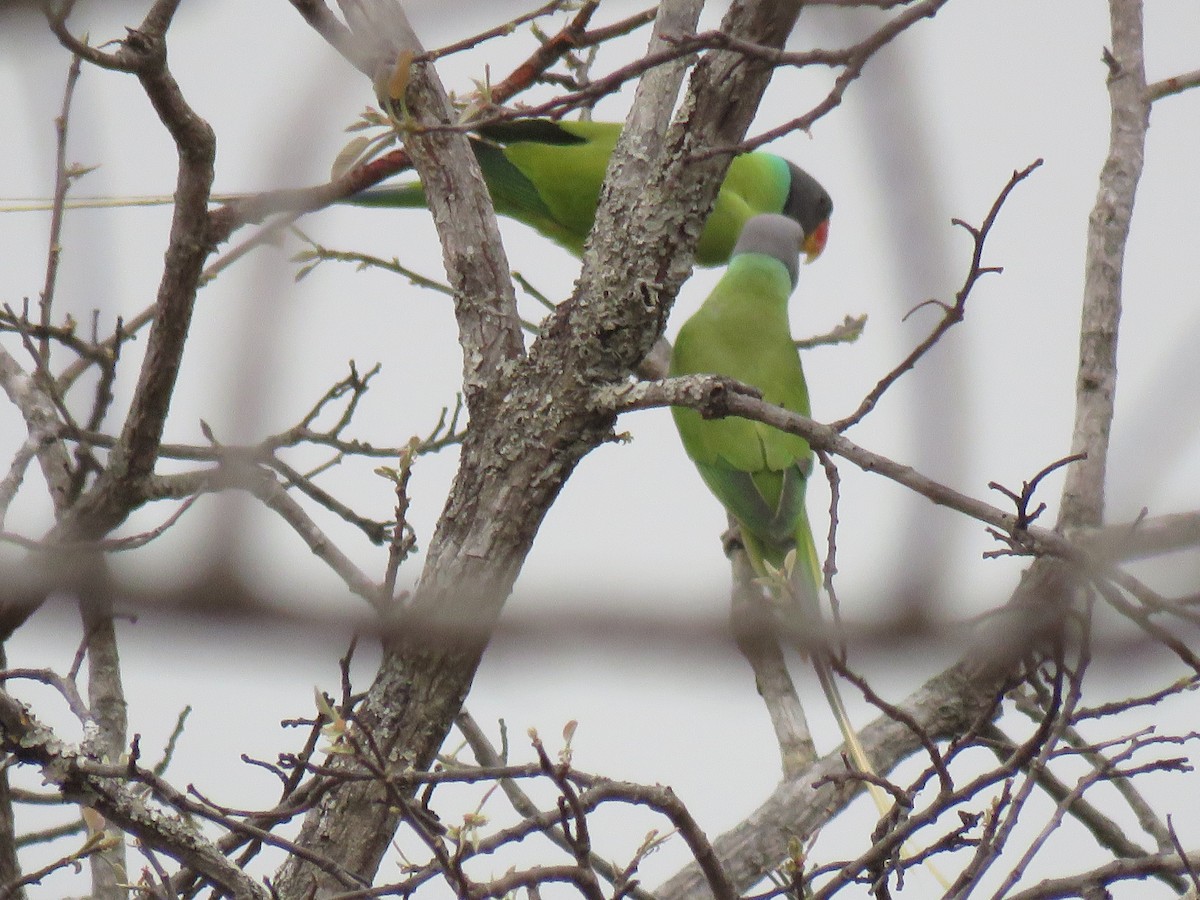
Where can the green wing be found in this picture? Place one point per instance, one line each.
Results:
(517, 197)
(410, 195)
(548, 174)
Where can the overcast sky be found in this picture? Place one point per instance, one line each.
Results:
(932, 131)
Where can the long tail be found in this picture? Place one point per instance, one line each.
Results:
(804, 585)
(39, 204)
(406, 196)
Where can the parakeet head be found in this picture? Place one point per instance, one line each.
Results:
(777, 236)
(809, 204)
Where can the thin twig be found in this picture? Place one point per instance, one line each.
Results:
(62, 182)
(952, 314)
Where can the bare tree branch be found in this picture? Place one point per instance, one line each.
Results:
(1095, 882)
(717, 396)
(106, 699)
(62, 181)
(946, 705)
(1176, 84)
(144, 54)
(1108, 232)
(752, 621)
(10, 865)
(65, 767)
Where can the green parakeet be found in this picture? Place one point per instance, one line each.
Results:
(758, 472)
(548, 175)
(742, 331)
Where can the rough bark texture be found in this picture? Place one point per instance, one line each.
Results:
(42, 423)
(484, 303)
(106, 700)
(89, 783)
(428, 662)
(10, 866)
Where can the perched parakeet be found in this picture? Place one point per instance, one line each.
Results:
(742, 331)
(548, 175)
(758, 472)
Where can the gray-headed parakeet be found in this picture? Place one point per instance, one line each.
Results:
(548, 175)
(758, 472)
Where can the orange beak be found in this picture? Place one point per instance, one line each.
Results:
(814, 244)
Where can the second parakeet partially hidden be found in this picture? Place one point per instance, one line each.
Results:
(548, 175)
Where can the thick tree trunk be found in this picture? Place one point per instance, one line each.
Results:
(531, 427)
